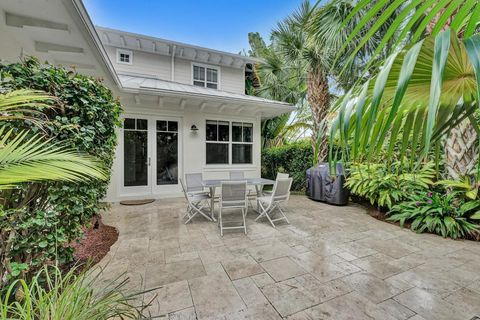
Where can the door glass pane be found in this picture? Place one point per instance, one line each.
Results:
(217, 153)
(135, 153)
(142, 124)
(167, 158)
(223, 131)
(172, 126)
(237, 132)
(161, 125)
(129, 124)
(241, 153)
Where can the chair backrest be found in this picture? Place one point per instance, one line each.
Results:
(282, 176)
(237, 175)
(234, 193)
(281, 189)
(184, 189)
(194, 182)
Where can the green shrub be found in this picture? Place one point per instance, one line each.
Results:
(53, 295)
(384, 185)
(39, 219)
(293, 159)
(435, 212)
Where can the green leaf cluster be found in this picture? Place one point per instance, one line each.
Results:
(385, 185)
(435, 212)
(294, 159)
(52, 294)
(42, 218)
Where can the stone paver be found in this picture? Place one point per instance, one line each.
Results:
(329, 263)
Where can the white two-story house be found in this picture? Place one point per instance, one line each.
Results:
(185, 106)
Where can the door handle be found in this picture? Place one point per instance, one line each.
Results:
(149, 161)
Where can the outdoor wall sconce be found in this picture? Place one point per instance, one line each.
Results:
(193, 128)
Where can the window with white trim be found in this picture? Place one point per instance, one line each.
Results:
(229, 143)
(124, 56)
(205, 77)
(242, 142)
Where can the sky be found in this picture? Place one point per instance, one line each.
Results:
(216, 24)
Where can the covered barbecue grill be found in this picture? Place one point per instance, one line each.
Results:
(321, 186)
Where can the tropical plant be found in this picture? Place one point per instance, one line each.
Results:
(466, 189)
(36, 158)
(74, 295)
(438, 69)
(387, 184)
(435, 212)
(406, 22)
(302, 52)
(418, 96)
(38, 219)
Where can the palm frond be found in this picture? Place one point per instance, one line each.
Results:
(22, 104)
(419, 94)
(25, 159)
(414, 19)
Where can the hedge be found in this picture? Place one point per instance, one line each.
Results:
(85, 117)
(294, 159)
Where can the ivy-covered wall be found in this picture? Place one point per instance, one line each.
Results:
(85, 116)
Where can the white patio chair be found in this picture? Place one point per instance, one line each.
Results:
(279, 176)
(240, 175)
(194, 183)
(196, 203)
(233, 196)
(280, 195)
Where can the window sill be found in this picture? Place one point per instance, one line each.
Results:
(229, 167)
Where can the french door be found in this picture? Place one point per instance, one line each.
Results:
(151, 155)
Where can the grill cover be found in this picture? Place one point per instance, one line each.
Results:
(321, 186)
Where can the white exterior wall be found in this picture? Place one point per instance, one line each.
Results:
(155, 65)
(193, 151)
(143, 63)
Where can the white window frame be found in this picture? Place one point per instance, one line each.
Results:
(241, 142)
(230, 143)
(227, 143)
(123, 51)
(209, 66)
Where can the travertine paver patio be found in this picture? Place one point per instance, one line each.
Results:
(329, 263)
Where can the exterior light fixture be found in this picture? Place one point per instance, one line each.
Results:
(193, 128)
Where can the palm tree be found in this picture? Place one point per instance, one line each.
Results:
(304, 49)
(37, 159)
(449, 75)
(418, 97)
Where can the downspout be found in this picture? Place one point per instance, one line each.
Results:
(172, 75)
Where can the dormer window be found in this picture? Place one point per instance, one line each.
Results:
(205, 76)
(124, 56)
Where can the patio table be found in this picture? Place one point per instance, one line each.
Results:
(212, 184)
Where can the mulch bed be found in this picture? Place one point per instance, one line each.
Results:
(96, 243)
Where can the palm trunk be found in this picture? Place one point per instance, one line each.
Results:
(319, 100)
(461, 147)
(461, 151)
